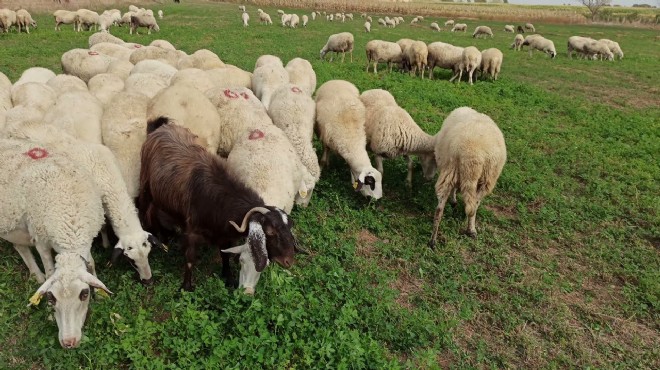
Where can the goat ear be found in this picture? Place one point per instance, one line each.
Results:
(236, 250)
(257, 242)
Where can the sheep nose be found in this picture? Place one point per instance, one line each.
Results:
(147, 282)
(70, 343)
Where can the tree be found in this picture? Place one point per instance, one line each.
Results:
(595, 5)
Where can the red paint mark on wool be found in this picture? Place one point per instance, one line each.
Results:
(93, 53)
(230, 94)
(296, 90)
(36, 153)
(245, 96)
(256, 135)
(137, 46)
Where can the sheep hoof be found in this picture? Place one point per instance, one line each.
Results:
(432, 243)
(471, 233)
(188, 287)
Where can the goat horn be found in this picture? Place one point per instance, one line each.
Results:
(247, 217)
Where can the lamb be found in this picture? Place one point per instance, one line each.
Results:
(87, 18)
(340, 119)
(435, 27)
(302, 74)
(470, 61)
(105, 86)
(305, 19)
(188, 107)
(530, 27)
(459, 27)
(294, 113)
(450, 22)
(339, 42)
(77, 113)
(203, 59)
(470, 153)
(416, 56)
(367, 27)
(614, 47)
(64, 17)
(24, 19)
(183, 184)
(518, 42)
(598, 49)
(245, 17)
(539, 42)
(482, 31)
(85, 64)
(266, 79)
(491, 62)
(144, 20)
(160, 14)
(445, 56)
(383, 51)
(392, 132)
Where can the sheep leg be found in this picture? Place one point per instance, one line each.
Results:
(452, 199)
(105, 241)
(343, 55)
(471, 204)
(46, 258)
(470, 72)
(410, 171)
(368, 63)
(27, 256)
(442, 190)
(325, 156)
(379, 163)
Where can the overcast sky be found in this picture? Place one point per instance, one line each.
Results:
(576, 2)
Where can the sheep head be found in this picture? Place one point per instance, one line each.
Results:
(137, 248)
(369, 183)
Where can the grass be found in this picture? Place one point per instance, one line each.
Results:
(565, 272)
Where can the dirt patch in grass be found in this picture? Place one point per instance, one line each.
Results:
(408, 286)
(366, 242)
(502, 211)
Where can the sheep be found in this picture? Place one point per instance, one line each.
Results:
(369, 19)
(33, 95)
(381, 22)
(390, 23)
(383, 51)
(414, 20)
(470, 61)
(268, 59)
(349, 16)
(35, 74)
(266, 79)
(339, 42)
(241, 8)
(153, 52)
(597, 49)
(375, 98)
(340, 119)
(530, 27)
(435, 27)
(539, 42)
(491, 62)
(367, 27)
(85, 64)
(183, 183)
(77, 113)
(416, 56)
(509, 28)
(305, 19)
(295, 20)
(313, 16)
(148, 84)
(160, 14)
(64, 17)
(392, 132)
(520, 29)
(245, 18)
(123, 128)
(144, 20)
(482, 30)
(230, 76)
(294, 113)
(7, 19)
(156, 67)
(87, 18)
(265, 18)
(188, 107)
(120, 68)
(280, 12)
(100, 37)
(470, 153)
(193, 77)
(112, 50)
(614, 47)
(517, 42)
(576, 44)
(105, 86)
(133, 8)
(302, 74)
(286, 20)
(126, 18)
(203, 59)
(105, 21)
(459, 27)
(449, 22)
(24, 19)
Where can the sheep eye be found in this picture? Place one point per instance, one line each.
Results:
(84, 294)
(51, 298)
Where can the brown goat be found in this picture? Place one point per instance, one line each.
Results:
(183, 185)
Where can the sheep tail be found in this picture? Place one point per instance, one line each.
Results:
(154, 124)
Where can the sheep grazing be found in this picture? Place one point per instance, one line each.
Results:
(302, 74)
(181, 184)
(597, 49)
(340, 117)
(369, 19)
(268, 59)
(576, 44)
(538, 42)
(449, 23)
(518, 42)
(491, 62)
(86, 18)
(459, 27)
(143, 20)
(614, 47)
(286, 20)
(7, 19)
(280, 12)
(383, 51)
(160, 14)
(404, 44)
(470, 61)
(367, 27)
(482, 31)
(520, 29)
(24, 20)
(435, 27)
(313, 16)
(266, 79)
(245, 17)
(64, 17)
(381, 22)
(470, 153)
(339, 43)
(416, 56)
(530, 27)
(295, 20)
(305, 20)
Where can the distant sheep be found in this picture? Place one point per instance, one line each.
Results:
(614, 47)
(245, 17)
(517, 42)
(509, 28)
(482, 31)
(339, 43)
(530, 27)
(382, 51)
(435, 27)
(367, 27)
(449, 23)
(470, 61)
(459, 27)
(491, 62)
(538, 42)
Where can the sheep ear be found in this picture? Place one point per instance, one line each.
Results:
(118, 251)
(236, 250)
(156, 243)
(302, 191)
(257, 242)
(36, 297)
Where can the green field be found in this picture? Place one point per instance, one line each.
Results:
(565, 272)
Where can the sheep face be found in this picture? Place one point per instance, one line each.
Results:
(368, 183)
(68, 293)
(137, 251)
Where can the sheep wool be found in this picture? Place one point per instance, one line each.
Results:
(302, 74)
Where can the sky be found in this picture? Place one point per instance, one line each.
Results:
(576, 2)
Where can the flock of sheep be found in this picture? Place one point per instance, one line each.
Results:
(205, 146)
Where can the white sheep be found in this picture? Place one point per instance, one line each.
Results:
(340, 117)
(529, 27)
(160, 14)
(367, 27)
(34, 95)
(143, 20)
(245, 17)
(194, 77)
(392, 132)
(35, 74)
(105, 86)
(203, 59)
(313, 16)
(369, 19)
(435, 27)
(156, 67)
(84, 63)
(265, 18)
(241, 8)
(509, 28)
(77, 113)
(614, 47)
(100, 37)
(305, 20)
(7, 19)
(417, 57)
(112, 50)
(87, 18)
(64, 17)
(470, 153)
(188, 107)
(24, 20)
(598, 49)
(538, 42)
(390, 23)
(375, 98)
(266, 79)
(383, 51)
(148, 84)
(286, 20)
(295, 21)
(470, 61)
(517, 42)
(482, 31)
(491, 62)
(449, 22)
(576, 44)
(339, 43)
(120, 68)
(230, 76)
(268, 59)
(381, 22)
(445, 56)
(170, 57)
(302, 74)
(459, 27)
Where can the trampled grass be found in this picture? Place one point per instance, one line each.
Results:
(565, 271)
